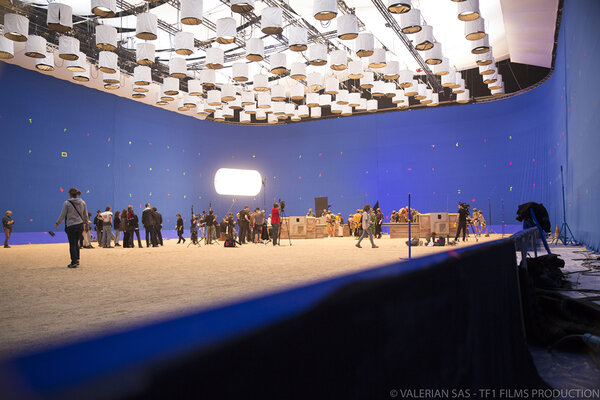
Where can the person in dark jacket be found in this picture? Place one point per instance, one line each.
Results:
(7, 225)
(158, 225)
(117, 226)
(133, 227)
(123, 227)
(463, 213)
(148, 221)
(179, 229)
(99, 224)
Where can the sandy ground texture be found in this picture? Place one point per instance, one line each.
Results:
(44, 303)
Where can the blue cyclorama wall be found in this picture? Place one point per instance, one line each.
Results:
(507, 151)
(582, 173)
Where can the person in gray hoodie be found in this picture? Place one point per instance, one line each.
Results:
(73, 212)
(366, 226)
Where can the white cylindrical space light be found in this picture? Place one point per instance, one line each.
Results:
(365, 44)
(366, 82)
(184, 43)
(271, 21)
(77, 65)
(315, 112)
(312, 99)
(463, 97)
(146, 27)
(226, 31)
(424, 38)
(342, 97)
(325, 10)
(43, 64)
(107, 62)
(170, 86)
(263, 100)
(298, 71)
(297, 38)
(144, 53)
(35, 47)
(377, 60)
(317, 54)
(475, 29)
(261, 83)
(399, 6)
(16, 27)
(442, 68)
(68, 47)
(255, 50)
(303, 111)
(278, 63)
(278, 93)
(392, 70)
(247, 97)
(468, 10)
(106, 37)
(227, 93)
(207, 77)
(481, 45)
(60, 17)
(215, 57)
(338, 60)
(142, 75)
(315, 81)
(178, 67)
(297, 92)
(355, 70)
(485, 58)
(213, 97)
(242, 6)
(372, 105)
(410, 22)
(347, 27)
(239, 71)
(332, 85)
(104, 8)
(195, 87)
(191, 12)
(434, 55)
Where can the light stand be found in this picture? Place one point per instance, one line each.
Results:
(565, 234)
(283, 215)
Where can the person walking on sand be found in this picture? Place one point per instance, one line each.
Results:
(73, 211)
(366, 227)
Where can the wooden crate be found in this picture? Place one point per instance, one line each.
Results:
(453, 223)
(311, 227)
(400, 230)
(298, 227)
(321, 231)
(424, 225)
(346, 231)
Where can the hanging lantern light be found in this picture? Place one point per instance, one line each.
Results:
(170, 86)
(413, 89)
(278, 63)
(468, 10)
(213, 97)
(278, 107)
(242, 6)
(303, 111)
(480, 46)
(60, 17)
(77, 65)
(475, 29)
(239, 72)
(435, 100)
(485, 58)
(278, 93)
(353, 99)
(365, 44)
(378, 89)
(144, 53)
(184, 43)
(499, 91)
(106, 37)
(43, 64)
(410, 22)
(422, 91)
(236, 103)
(146, 26)
(405, 79)
(399, 6)
(312, 99)
(140, 89)
(178, 67)
(442, 68)
(315, 112)
(247, 98)
(298, 71)
(324, 10)
(270, 21)
(255, 50)
(199, 109)
(226, 30)
(227, 93)
(428, 97)
(82, 76)
(372, 105)
(402, 101)
(244, 118)
(390, 89)
(107, 62)
(68, 47)
(35, 47)
(366, 82)
(339, 61)
(218, 116)
(398, 97)
(362, 105)
(424, 38)
(194, 87)
(491, 78)
(497, 84)
(214, 58)
(112, 81)
(315, 81)
(263, 100)
(487, 69)
(228, 112)
(207, 77)
(7, 49)
(16, 27)
(296, 116)
(325, 100)
(297, 92)
(332, 85)
(191, 12)
(261, 115)
(434, 55)
(317, 54)
(355, 70)
(347, 27)
(392, 70)
(297, 38)
(261, 83)
(104, 8)
(272, 119)
(463, 97)
(459, 87)
(346, 111)
(208, 108)
(136, 95)
(459, 81)
(342, 97)
(250, 109)
(449, 79)
(336, 108)
(377, 60)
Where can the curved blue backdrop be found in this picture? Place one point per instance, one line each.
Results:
(121, 152)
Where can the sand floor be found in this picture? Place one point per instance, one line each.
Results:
(42, 302)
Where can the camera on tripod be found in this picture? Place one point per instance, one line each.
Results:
(464, 205)
(282, 205)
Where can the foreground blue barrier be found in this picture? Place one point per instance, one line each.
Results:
(447, 321)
